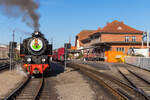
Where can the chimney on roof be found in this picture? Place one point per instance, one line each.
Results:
(99, 28)
(107, 23)
(122, 22)
(116, 21)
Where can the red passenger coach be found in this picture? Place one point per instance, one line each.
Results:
(54, 56)
(59, 54)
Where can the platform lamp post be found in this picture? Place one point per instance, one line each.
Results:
(143, 39)
(143, 36)
(65, 57)
(10, 55)
(11, 50)
(148, 40)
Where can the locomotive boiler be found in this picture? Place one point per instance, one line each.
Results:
(36, 52)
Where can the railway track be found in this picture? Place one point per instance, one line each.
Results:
(31, 89)
(45, 93)
(115, 86)
(137, 81)
(4, 66)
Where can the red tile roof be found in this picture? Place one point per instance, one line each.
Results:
(113, 27)
(84, 35)
(119, 27)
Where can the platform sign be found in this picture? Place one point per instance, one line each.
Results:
(12, 46)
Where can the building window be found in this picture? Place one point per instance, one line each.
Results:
(96, 36)
(133, 39)
(121, 49)
(126, 38)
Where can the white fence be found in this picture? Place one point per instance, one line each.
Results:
(142, 62)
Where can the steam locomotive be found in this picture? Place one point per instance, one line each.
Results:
(36, 52)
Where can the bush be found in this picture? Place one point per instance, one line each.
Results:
(137, 55)
(80, 56)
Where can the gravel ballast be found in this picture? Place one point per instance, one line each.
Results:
(71, 86)
(74, 85)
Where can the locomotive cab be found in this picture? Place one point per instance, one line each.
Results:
(36, 52)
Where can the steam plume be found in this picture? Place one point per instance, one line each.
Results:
(25, 8)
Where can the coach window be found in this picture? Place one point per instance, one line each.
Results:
(133, 39)
(126, 38)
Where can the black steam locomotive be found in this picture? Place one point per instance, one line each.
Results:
(36, 52)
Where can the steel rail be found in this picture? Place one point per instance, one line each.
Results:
(126, 95)
(96, 77)
(16, 92)
(37, 94)
(117, 81)
(146, 81)
(3, 67)
(135, 87)
(132, 84)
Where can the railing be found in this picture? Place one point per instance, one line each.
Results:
(141, 62)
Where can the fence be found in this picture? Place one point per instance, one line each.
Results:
(142, 62)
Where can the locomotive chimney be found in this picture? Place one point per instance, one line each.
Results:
(36, 28)
(37, 34)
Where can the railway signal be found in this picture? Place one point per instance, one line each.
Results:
(12, 46)
(66, 47)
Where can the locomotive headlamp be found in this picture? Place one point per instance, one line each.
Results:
(43, 59)
(28, 59)
(36, 33)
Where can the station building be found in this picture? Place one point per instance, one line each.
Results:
(115, 36)
(4, 50)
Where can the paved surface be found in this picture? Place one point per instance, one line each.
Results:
(63, 85)
(73, 85)
(9, 81)
(99, 66)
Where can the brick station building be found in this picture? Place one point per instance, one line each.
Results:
(115, 36)
(4, 50)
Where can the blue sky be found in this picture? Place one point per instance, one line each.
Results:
(61, 20)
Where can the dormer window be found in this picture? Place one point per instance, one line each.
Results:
(119, 28)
